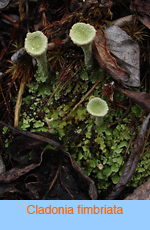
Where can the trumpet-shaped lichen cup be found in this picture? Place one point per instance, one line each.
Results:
(36, 45)
(82, 34)
(97, 107)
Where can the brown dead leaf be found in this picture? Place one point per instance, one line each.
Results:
(44, 174)
(141, 193)
(105, 60)
(141, 98)
(83, 176)
(17, 172)
(145, 20)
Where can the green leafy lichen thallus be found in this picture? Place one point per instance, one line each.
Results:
(98, 108)
(82, 34)
(36, 45)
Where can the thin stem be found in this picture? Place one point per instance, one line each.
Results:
(99, 121)
(88, 58)
(42, 66)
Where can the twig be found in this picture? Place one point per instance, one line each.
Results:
(18, 102)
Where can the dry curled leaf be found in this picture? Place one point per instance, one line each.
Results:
(44, 174)
(105, 59)
(141, 98)
(17, 172)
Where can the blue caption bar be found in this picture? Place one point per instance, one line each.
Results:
(74, 214)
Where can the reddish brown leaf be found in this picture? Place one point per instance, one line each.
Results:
(141, 98)
(105, 60)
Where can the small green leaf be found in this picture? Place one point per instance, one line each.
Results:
(92, 164)
(118, 160)
(100, 141)
(108, 132)
(80, 156)
(81, 113)
(139, 169)
(38, 124)
(104, 161)
(107, 171)
(55, 115)
(115, 179)
(5, 129)
(62, 125)
(114, 168)
(100, 175)
(123, 144)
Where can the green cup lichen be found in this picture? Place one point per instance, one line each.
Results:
(36, 45)
(82, 34)
(98, 108)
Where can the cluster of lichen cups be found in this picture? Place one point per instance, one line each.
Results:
(81, 34)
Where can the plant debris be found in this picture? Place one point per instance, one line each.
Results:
(57, 174)
(141, 98)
